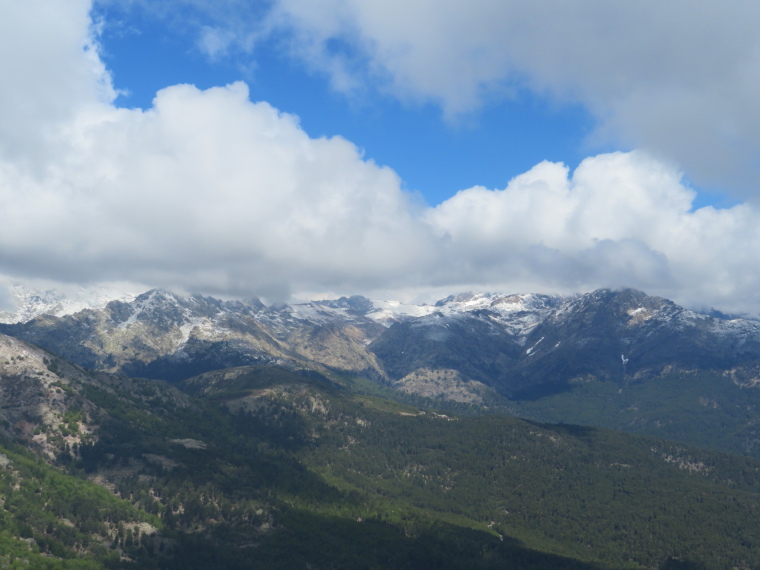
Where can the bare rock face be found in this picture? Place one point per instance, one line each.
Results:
(44, 401)
(444, 384)
(156, 334)
(164, 336)
(40, 406)
(527, 347)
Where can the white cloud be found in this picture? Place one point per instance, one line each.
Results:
(50, 68)
(621, 219)
(680, 79)
(215, 42)
(222, 28)
(205, 191)
(209, 192)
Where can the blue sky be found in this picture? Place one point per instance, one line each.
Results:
(434, 156)
(404, 149)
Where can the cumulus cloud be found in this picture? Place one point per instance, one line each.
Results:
(50, 69)
(680, 79)
(209, 192)
(620, 219)
(212, 191)
(205, 191)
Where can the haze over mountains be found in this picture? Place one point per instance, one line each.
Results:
(26, 303)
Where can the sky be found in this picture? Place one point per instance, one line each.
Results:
(294, 149)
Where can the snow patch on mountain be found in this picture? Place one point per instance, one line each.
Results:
(532, 348)
(388, 312)
(518, 313)
(31, 303)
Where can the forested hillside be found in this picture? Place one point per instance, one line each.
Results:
(276, 467)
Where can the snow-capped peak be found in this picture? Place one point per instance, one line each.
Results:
(31, 303)
(388, 312)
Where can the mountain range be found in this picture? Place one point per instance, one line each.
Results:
(520, 346)
(613, 358)
(517, 351)
(168, 431)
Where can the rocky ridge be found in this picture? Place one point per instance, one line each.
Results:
(463, 347)
(44, 404)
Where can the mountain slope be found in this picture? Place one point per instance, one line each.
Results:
(583, 493)
(627, 334)
(220, 490)
(552, 358)
(604, 335)
(162, 335)
(52, 520)
(521, 345)
(284, 467)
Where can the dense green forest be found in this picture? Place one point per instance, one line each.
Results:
(702, 407)
(266, 467)
(52, 520)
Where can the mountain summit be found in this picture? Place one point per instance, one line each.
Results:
(520, 346)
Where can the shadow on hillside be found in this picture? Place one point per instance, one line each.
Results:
(572, 430)
(673, 564)
(307, 540)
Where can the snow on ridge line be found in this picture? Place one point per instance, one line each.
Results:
(32, 303)
(519, 313)
(388, 312)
